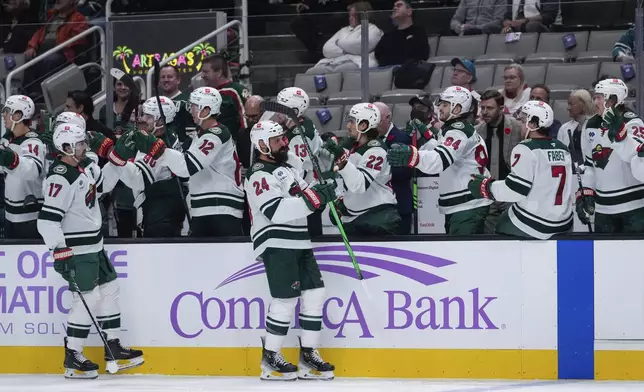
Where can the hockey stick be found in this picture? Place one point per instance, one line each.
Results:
(155, 81)
(581, 189)
(414, 179)
(112, 367)
(292, 115)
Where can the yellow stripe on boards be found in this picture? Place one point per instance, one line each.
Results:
(349, 362)
(619, 365)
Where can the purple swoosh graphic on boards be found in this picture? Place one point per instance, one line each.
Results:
(405, 254)
(242, 273)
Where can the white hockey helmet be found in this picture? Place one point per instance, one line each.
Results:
(294, 98)
(151, 107)
(263, 131)
(206, 97)
(456, 95)
(612, 87)
(69, 118)
(537, 112)
(68, 135)
(22, 104)
(364, 112)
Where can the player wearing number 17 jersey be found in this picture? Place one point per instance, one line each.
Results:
(540, 182)
(460, 154)
(211, 163)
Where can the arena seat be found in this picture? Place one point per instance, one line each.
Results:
(470, 47)
(614, 70)
(332, 125)
(436, 79)
(56, 87)
(551, 48)
(563, 78)
(20, 60)
(500, 52)
(600, 46)
(400, 115)
(560, 108)
(307, 83)
(433, 45)
(400, 95)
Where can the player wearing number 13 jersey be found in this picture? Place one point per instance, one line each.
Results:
(540, 182)
(460, 153)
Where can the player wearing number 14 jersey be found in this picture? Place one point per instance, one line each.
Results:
(539, 183)
(460, 153)
(211, 163)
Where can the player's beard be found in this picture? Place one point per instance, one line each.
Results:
(281, 156)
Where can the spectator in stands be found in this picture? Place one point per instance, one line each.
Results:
(400, 176)
(80, 102)
(16, 26)
(515, 91)
(501, 133)
(342, 52)
(216, 74)
(169, 81)
(408, 42)
(580, 109)
(478, 17)
(423, 122)
(312, 28)
(463, 73)
(530, 16)
(624, 48)
(541, 92)
(122, 107)
(253, 114)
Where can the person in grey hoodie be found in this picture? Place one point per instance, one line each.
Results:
(478, 17)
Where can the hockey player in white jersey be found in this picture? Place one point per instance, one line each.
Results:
(46, 137)
(460, 153)
(280, 201)
(211, 163)
(540, 183)
(612, 190)
(70, 224)
(22, 157)
(369, 204)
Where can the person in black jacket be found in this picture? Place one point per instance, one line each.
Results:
(407, 43)
(80, 102)
(16, 26)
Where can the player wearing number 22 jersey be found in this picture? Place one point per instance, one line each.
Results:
(539, 184)
(459, 154)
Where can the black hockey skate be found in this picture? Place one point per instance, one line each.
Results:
(77, 366)
(126, 358)
(275, 367)
(312, 366)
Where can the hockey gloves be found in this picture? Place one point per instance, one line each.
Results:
(479, 187)
(8, 158)
(123, 150)
(340, 208)
(63, 261)
(98, 143)
(403, 155)
(317, 196)
(616, 126)
(422, 130)
(149, 144)
(585, 204)
(339, 154)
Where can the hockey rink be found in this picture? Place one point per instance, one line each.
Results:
(134, 383)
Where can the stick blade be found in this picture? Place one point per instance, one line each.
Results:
(278, 108)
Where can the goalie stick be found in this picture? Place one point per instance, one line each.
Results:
(292, 115)
(155, 81)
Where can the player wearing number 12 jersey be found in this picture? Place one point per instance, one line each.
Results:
(539, 184)
(460, 153)
(211, 163)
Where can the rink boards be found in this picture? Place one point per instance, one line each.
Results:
(476, 309)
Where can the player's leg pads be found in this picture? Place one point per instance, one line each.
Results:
(78, 321)
(280, 315)
(311, 316)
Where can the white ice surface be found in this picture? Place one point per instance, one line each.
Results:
(126, 383)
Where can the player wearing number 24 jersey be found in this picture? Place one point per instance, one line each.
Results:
(460, 153)
(539, 184)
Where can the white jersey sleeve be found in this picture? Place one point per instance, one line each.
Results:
(357, 178)
(31, 159)
(518, 183)
(444, 154)
(265, 195)
(588, 177)
(201, 154)
(59, 195)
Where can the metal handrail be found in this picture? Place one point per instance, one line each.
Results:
(88, 65)
(243, 57)
(38, 59)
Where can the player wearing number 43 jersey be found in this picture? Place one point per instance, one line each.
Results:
(613, 188)
(22, 155)
(280, 201)
(460, 153)
(70, 224)
(211, 163)
(539, 184)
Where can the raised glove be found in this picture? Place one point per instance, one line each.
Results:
(339, 154)
(123, 150)
(318, 195)
(616, 126)
(421, 129)
(8, 158)
(479, 187)
(585, 204)
(403, 155)
(63, 260)
(149, 144)
(98, 143)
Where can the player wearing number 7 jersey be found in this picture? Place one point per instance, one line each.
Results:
(540, 182)
(211, 163)
(460, 153)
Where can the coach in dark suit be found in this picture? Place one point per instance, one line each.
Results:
(400, 176)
